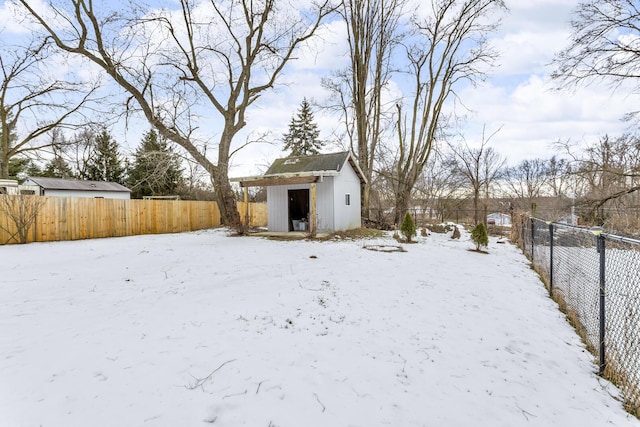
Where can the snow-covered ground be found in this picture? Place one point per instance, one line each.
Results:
(204, 328)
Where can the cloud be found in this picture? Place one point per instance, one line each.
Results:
(533, 116)
(519, 97)
(15, 20)
(12, 19)
(329, 50)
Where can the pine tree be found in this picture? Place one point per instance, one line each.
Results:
(105, 163)
(22, 167)
(57, 168)
(408, 227)
(302, 138)
(480, 236)
(156, 168)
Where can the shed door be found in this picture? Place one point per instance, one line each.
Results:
(298, 207)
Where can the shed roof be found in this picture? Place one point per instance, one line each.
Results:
(303, 169)
(77, 185)
(320, 162)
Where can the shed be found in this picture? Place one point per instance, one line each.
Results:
(319, 193)
(58, 187)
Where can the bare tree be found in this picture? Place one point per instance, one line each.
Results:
(438, 186)
(610, 169)
(605, 44)
(37, 100)
(21, 212)
(358, 92)
(560, 177)
(479, 167)
(220, 56)
(78, 153)
(527, 180)
(448, 47)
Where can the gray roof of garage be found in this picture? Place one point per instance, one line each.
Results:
(77, 185)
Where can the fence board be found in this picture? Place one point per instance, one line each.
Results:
(66, 218)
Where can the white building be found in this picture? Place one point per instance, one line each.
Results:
(500, 219)
(58, 187)
(8, 186)
(318, 193)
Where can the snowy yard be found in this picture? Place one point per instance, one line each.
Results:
(204, 329)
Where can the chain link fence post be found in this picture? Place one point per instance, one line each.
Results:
(601, 251)
(533, 237)
(550, 258)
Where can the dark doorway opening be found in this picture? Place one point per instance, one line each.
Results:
(298, 210)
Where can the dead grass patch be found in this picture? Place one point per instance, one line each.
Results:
(358, 233)
(384, 248)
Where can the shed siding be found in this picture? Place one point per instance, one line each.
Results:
(324, 195)
(278, 205)
(347, 217)
(90, 194)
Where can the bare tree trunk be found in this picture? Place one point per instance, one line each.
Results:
(476, 204)
(224, 192)
(372, 34)
(225, 195)
(365, 195)
(4, 166)
(403, 196)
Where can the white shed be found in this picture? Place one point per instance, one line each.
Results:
(319, 193)
(59, 187)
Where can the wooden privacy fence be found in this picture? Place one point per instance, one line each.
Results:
(67, 218)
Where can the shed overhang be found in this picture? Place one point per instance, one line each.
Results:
(283, 179)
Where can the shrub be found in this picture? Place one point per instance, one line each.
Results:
(21, 212)
(479, 236)
(408, 227)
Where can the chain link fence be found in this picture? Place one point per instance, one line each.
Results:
(595, 278)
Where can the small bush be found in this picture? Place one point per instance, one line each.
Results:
(408, 227)
(479, 236)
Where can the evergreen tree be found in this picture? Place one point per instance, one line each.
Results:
(22, 167)
(408, 227)
(302, 138)
(57, 168)
(105, 163)
(156, 168)
(480, 236)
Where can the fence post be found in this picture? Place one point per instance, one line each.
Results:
(533, 237)
(601, 250)
(550, 258)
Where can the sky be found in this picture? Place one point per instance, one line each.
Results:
(517, 100)
(207, 328)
